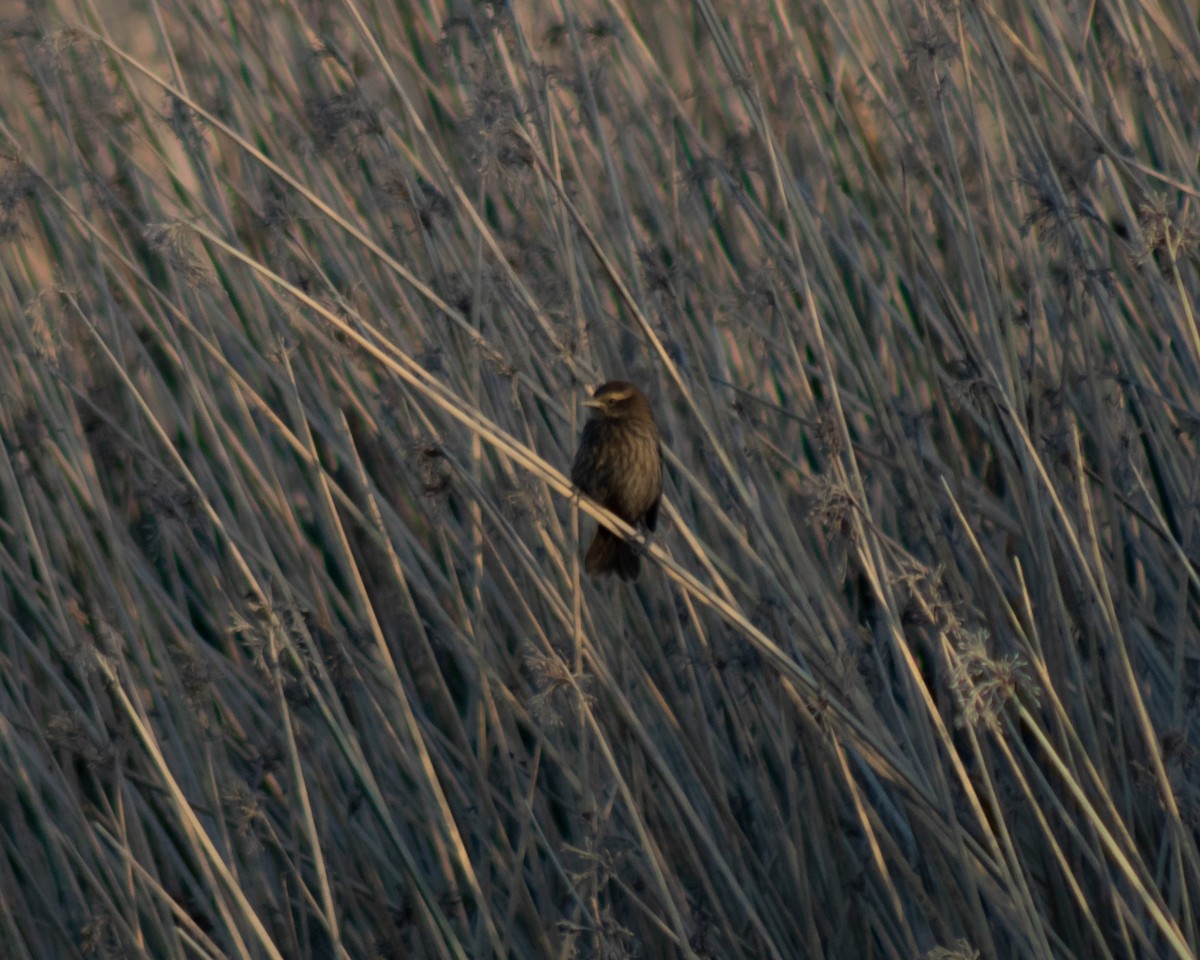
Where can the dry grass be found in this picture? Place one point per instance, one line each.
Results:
(297, 305)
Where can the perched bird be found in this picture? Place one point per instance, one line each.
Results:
(619, 465)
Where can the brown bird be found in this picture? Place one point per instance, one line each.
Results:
(619, 465)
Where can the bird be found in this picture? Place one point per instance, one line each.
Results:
(619, 465)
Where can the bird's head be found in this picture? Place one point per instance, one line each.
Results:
(618, 400)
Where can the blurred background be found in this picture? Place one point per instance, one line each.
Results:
(298, 304)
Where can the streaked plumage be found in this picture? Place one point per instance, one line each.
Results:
(619, 465)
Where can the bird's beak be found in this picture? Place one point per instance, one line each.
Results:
(594, 403)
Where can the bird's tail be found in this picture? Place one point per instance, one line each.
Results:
(610, 554)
